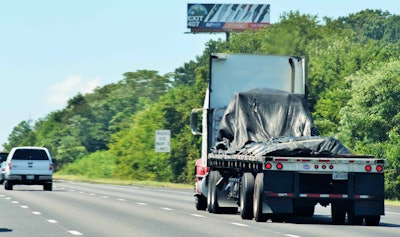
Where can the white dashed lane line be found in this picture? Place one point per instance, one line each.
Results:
(36, 213)
(197, 215)
(74, 232)
(239, 224)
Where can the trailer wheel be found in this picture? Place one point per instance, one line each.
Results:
(201, 202)
(352, 218)
(372, 220)
(213, 206)
(259, 216)
(338, 212)
(246, 196)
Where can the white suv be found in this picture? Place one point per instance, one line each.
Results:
(30, 166)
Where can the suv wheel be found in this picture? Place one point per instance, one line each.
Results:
(48, 187)
(8, 185)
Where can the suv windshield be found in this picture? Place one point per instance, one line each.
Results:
(30, 154)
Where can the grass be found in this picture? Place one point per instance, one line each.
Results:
(392, 202)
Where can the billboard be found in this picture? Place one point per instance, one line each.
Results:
(227, 17)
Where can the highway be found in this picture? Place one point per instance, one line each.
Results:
(83, 209)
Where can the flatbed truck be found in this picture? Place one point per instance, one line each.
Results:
(262, 155)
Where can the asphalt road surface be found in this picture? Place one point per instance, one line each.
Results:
(82, 209)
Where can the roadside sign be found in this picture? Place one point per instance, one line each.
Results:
(162, 141)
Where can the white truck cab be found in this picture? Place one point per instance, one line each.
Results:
(29, 165)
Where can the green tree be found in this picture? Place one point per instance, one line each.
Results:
(374, 108)
(134, 148)
(21, 135)
(373, 24)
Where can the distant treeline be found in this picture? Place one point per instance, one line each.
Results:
(353, 91)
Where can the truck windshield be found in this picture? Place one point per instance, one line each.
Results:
(30, 154)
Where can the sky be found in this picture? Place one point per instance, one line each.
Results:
(52, 50)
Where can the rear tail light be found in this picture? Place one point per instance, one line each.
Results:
(279, 166)
(379, 168)
(368, 168)
(268, 166)
(9, 166)
(51, 167)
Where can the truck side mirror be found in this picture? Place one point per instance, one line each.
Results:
(194, 122)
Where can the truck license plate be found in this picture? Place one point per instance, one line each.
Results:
(30, 177)
(339, 176)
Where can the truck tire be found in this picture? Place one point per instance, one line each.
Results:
(211, 186)
(352, 218)
(213, 206)
(259, 216)
(338, 212)
(246, 196)
(201, 202)
(8, 185)
(372, 220)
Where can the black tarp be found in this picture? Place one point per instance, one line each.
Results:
(272, 122)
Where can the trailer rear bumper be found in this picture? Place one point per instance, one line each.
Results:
(287, 192)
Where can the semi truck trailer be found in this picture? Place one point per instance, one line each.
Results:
(262, 154)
